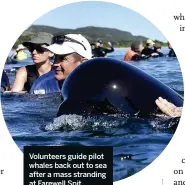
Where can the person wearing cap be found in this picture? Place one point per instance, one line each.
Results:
(100, 51)
(134, 53)
(157, 49)
(20, 53)
(171, 52)
(26, 76)
(70, 51)
(148, 50)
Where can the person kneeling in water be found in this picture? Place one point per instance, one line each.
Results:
(27, 75)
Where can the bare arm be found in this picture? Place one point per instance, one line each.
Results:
(109, 50)
(20, 80)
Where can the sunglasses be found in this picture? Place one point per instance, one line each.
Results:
(60, 39)
(38, 48)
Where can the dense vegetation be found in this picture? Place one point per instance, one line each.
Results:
(118, 37)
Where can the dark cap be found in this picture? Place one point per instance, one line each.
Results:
(40, 38)
(100, 41)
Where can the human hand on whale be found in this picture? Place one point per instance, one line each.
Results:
(168, 108)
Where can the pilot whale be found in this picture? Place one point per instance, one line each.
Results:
(109, 86)
(106, 86)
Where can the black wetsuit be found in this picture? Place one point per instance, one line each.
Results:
(101, 52)
(4, 81)
(172, 53)
(147, 51)
(32, 76)
(139, 57)
(159, 54)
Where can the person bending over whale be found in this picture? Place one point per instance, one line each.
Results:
(26, 76)
(70, 51)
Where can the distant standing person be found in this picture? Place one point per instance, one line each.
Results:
(100, 51)
(171, 52)
(26, 76)
(149, 48)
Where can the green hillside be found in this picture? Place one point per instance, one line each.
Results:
(118, 37)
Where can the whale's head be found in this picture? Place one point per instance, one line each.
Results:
(109, 86)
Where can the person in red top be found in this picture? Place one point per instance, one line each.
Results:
(134, 53)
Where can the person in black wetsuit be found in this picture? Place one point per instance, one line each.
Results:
(149, 49)
(5, 85)
(171, 52)
(157, 49)
(27, 75)
(100, 51)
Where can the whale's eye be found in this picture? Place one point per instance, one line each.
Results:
(117, 94)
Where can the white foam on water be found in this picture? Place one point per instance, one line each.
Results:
(78, 122)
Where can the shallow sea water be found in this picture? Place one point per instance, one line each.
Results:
(137, 142)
